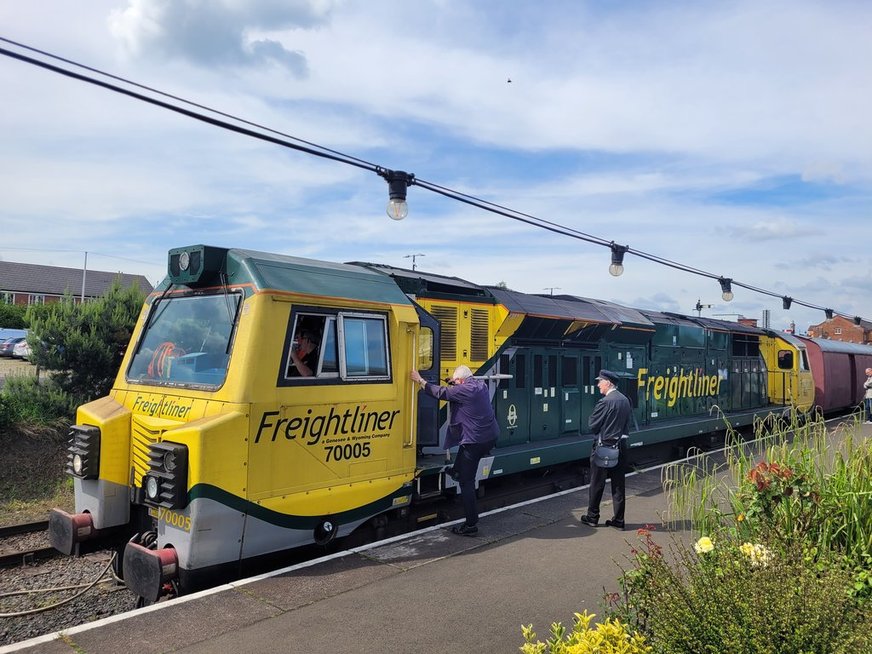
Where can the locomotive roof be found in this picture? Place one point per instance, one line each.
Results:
(660, 317)
(547, 306)
(794, 340)
(421, 283)
(619, 314)
(728, 326)
(312, 277)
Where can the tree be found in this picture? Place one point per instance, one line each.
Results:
(83, 344)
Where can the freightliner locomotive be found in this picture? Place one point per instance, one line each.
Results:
(212, 450)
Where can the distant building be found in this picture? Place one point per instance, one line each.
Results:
(844, 329)
(27, 283)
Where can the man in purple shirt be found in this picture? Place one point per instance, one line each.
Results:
(473, 426)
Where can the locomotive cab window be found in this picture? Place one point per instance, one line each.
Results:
(346, 346)
(187, 341)
(785, 360)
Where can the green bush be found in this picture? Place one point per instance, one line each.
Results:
(810, 491)
(31, 402)
(729, 596)
(784, 561)
(12, 316)
(608, 637)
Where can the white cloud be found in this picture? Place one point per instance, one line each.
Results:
(216, 32)
(626, 122)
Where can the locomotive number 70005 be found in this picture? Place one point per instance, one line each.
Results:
(347, 451)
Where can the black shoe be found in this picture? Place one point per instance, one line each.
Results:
(617, 524)
(464, 530)
(586, 519)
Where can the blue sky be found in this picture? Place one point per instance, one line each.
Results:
(733, 137)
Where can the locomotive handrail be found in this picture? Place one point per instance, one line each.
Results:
(414, 408)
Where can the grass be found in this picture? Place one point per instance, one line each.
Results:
(33, 481)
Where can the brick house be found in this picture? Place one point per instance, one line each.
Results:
(844, 329)
(27, 283)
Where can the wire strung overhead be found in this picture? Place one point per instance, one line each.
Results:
(398, 181)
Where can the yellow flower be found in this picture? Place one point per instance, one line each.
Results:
(704, 545)
(758, 554)
(740, 517)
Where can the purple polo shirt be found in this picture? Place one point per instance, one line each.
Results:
(472, 415)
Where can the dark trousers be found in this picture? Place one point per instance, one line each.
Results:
(465, 467)
(868, 402)
(598, 484)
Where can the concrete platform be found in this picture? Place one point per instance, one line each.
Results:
(430, 591)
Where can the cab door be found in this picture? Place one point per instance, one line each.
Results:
(428, 361)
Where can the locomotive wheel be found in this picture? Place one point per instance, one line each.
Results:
(326, 531)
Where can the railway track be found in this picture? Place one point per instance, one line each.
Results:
(24, 528)
(25, 543)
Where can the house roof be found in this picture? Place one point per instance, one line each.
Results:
(865, 324)
(54, 280)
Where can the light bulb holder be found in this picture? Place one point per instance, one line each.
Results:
(828, 313)
(786, 302)
(616, 268)
(726, 288)
(398, 181)
(857, 320)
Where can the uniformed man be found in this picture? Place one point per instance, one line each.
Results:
(610, 421)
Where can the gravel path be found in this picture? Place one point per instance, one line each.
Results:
(104, 599)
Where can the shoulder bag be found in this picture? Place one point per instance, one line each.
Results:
(606, 456)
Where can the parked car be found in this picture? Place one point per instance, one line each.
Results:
(8, 344)
(21, 350)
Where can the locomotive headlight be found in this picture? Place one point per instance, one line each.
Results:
(184, 261)
(83, 452)
(166, 481)
(151, 488)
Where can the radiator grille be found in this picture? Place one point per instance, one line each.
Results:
(143, 437)
(447, 317)
(478, 347)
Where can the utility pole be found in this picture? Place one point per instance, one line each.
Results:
(84, 274)
(413, 257)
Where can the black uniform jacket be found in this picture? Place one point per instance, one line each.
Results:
(611, 417)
